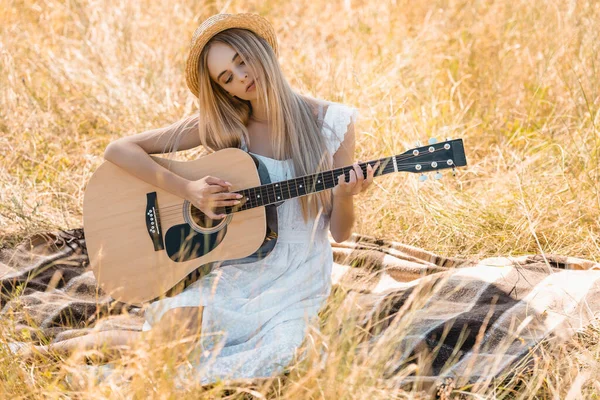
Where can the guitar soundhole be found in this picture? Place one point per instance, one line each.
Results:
(203, 221)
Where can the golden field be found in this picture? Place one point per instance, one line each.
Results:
(518, 80)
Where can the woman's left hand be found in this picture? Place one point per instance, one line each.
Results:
(357, 182)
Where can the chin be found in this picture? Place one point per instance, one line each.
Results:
(249, 96)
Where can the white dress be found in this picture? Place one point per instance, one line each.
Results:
(255, 315)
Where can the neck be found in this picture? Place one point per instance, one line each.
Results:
(258, 111)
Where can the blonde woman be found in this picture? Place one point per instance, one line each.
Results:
(252, 316)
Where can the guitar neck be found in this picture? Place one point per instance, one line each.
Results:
(423, 159)
(284, 190)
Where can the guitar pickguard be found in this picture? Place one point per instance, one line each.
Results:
(182, 243)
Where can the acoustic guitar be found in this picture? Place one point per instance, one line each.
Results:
(142, 240)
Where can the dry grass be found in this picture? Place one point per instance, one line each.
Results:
(518, 80)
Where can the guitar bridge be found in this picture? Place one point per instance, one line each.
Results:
(153, 222)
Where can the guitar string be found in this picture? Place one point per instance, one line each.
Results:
(270, 189)
(254, 203)
(271, 192)
(267, 186)
(327, 181)
(398, 158)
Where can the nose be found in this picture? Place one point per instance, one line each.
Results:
(242, 75)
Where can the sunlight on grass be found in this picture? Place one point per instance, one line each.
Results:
(517, 80)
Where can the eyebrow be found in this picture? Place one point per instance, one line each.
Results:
(232, 60)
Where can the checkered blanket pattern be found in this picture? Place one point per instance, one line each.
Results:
(469, 320)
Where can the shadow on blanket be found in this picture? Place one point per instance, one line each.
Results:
(468, 320)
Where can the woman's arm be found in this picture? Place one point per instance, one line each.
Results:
(132, 154)
(342, 214)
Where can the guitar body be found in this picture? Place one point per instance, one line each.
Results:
(142, 240)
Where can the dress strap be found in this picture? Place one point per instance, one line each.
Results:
(243, 145)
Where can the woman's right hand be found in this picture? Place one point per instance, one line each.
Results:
(208, 193)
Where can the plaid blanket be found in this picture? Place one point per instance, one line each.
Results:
(451, 318)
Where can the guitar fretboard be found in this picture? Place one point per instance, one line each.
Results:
(284, 190)
(434, 157)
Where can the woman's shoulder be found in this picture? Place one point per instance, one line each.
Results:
(335, 120)
(330, 110)
(314, 104)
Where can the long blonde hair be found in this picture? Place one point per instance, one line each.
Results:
(293, 126)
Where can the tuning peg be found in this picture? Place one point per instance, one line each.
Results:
(432, 140)
(448, 139)
(423, 178)
(438, 176)
(453, 171)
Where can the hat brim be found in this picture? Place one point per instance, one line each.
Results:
(218, 23)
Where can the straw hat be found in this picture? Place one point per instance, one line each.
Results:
(218, 23)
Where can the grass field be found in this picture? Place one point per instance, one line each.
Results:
(518, 80)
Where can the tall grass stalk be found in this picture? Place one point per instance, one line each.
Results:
(518, 80)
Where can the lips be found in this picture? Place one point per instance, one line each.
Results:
(251, 85)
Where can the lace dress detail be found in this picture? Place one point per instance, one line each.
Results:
(255, 315)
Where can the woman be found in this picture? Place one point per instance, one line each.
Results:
(254, 313)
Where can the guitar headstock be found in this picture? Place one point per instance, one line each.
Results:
(433, 157)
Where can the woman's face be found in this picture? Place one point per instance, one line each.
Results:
(226, 68)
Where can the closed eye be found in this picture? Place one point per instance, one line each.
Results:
(231, 76)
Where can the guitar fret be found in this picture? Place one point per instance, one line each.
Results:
(296, 186)
(346, 172)
(264, 195)
(277, 192)
(309, 183)
(287, 183)
(300, 186)
(252, 196)
(320, 185)
(270, 194)
(291, 188)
